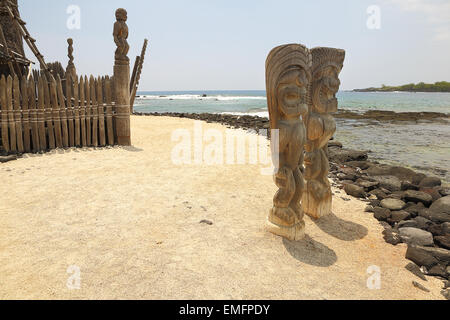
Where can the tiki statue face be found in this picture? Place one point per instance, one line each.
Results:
(288, 75)
(325, 87)
(292, 93)
(121, 15)
(327, 65)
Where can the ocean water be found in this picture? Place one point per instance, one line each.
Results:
(423, 146)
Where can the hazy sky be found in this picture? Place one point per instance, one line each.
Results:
(223, 44)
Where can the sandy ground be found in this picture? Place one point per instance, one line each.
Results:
(130, 220)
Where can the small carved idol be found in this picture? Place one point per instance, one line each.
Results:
(121, 35)
(70, 66)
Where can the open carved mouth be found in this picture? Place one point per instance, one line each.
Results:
(327, 95)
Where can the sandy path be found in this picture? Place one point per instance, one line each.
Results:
(129, 219)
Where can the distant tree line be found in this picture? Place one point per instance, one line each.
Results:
(441, 86)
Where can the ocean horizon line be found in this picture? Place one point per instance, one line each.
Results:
(140, 92)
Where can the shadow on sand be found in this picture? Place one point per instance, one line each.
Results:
(341, 229)
(77, 150)
(131, 148)
(311, 252)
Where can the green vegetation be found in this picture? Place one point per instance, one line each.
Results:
(442, 86)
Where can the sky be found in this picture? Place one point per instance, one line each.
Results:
(223, 44)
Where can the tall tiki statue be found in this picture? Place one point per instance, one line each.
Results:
(327, 65)
(287, 82)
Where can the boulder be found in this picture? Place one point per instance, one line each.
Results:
(381, 214)
(378, 193)
(417, 196)
(414, 209)
(354, 190)
(367, 185)
(433, 192)
(420, 286)
(446, 293)
(438, 271)
(4, 159)
(406, 185)
(417, 178)
(436, 230)
(393, 204)
(403, 173)
(379, 170)
(414, 269)
(443, 241)
(407, 224)
(347, 177)
(385, 170)
(442, 205)
(435, 216)
(344, 182)
(391, 183)
(335, 144)
(386, 191)
(416, 236)
(345, 155)
(444, 192)
(430, 182)
(397, 195)
(423, 223)
(441, 254)
(347, 170)
(420, 257)
(397, 216)
(363, 165)
(385, 225)
(446, 227)
(439, 211)
(391, 236)
(447, 283)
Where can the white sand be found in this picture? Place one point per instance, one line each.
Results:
(129, 219)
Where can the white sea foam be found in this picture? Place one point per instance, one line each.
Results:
(262, 114)
(198, 97)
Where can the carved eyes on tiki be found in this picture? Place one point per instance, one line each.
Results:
(292, 93)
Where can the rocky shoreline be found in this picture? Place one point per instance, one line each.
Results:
(395, 117)
(413, 208)
(255, 122)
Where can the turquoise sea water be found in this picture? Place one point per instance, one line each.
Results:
(255, 101)
(423, 146)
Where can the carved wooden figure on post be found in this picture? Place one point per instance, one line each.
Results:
(287, 82)
(121, 35)
(121, 87)
(327, 65)
(70, 66)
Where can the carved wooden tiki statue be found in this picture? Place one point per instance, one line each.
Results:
(287, 81)
(327, 65)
